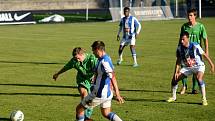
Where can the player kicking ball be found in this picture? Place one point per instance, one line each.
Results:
(101, 93)
(189, 55)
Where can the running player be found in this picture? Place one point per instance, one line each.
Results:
(84, 63)
(101, 93)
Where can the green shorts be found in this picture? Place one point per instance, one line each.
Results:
(86, 84)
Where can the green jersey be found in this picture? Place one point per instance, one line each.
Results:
(197, 32)
(85, 69)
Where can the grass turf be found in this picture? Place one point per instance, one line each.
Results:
(31, 54)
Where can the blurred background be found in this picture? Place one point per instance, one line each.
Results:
(107, 10)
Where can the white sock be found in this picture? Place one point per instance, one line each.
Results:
(174, 90)
(203, 91)
(80, 118)
(135, 59)
(113, 117)
(120, 56)
(116, 118)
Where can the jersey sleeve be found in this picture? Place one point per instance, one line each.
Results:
(70, 64)
(200, 50)
(93, 61)
(108, 67)
(137, 24)
(203, 32)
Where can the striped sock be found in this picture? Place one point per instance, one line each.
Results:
(113, 117)
(202, 88)
(80, 118)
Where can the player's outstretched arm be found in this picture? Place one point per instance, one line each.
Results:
(118, 34)
(116, 89)
(209, 61)
(206, 47)
(55, 76)
(177, 68)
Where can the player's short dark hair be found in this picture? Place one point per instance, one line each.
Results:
(185, 34)
(77, 50)
(98, 45)
(126, 8)
(192, 10)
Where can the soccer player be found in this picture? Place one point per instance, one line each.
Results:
(131, 28)
(101, 92)
(197, 34)
(84, 63)
(189, 57)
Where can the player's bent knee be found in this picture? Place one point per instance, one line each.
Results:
(174, 82)
(80, 109)
(202, 83)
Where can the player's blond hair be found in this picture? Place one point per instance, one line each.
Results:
(77, 50)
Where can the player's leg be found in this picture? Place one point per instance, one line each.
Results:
(120, 52)
(184, 72)
(80, 112)
(84, 92)
(174, 86)
(199, 77)
(106, 112)
(134, 55)
(195, 85)
(184, 86)
(133, 51)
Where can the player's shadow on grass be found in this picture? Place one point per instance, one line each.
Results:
(143, 90)
(5, 119)
(39, 85)
(189, 103)
(42, 94)
(155, 100)
(25, 62)
(145, 100)
(124, 65)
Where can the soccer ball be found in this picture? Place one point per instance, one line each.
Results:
(17, 115)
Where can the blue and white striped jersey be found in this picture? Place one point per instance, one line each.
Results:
(104, 69)
(130, 23)
(190, 56)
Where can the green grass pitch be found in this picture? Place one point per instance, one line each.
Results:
(31, 54)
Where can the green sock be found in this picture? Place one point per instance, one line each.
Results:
(184, 82)
(195, 83)
(88, 112)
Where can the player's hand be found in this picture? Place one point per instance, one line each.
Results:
(120, 99)
(176, 76)
(118, 38)
(55, 76)
(212, 69)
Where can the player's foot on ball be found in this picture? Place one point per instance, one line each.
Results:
(183, 90)
(204, 102)
(135, 65)
(194, 92)
(171, 99)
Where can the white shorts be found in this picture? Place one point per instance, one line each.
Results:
(128, 40)
(192, 70)
(91, 102)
